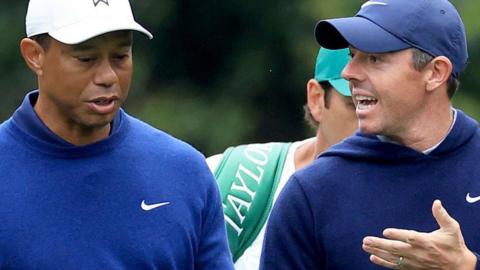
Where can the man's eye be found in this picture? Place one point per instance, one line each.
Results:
(373, 58)
(85, 59)
(122, 56)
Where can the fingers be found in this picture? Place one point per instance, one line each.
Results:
(389, 244)
(380, 247)
(385, 252)
(407, 236)
(384, 263)
(442, 217)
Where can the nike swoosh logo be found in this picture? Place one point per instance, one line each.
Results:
(472, 199)
(373, 3)
(148, 207)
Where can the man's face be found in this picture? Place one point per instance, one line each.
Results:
(387, 90)
(83, 86)
(338, 120)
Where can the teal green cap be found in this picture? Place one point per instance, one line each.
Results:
(329, 66)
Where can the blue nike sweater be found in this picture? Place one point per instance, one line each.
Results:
(362, 186)
(97, 206)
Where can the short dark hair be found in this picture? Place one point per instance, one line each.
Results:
(327, 88)
(421, 59)
(43, 40)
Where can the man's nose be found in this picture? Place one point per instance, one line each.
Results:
(105, 74)
(348, 71)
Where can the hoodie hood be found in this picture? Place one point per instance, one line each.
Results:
(369, 147)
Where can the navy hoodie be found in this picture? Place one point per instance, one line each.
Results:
(362, 186)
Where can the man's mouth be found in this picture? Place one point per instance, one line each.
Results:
(365, 102)
(103, 105)
(103, 101)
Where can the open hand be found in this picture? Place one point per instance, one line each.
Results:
(408, 249)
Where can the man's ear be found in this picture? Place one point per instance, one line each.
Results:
(439, 70)
(315, 99)
(33, 54)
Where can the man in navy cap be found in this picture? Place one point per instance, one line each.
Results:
(413, 148)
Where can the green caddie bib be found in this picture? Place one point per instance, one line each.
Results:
(248, 176)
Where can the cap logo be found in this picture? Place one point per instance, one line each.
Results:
(96, 2)
(373, 3)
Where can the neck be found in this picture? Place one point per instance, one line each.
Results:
(80, 137)
(71, 132)
(429, 132)
(308, 151)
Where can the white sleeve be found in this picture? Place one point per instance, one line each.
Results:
(214, 161)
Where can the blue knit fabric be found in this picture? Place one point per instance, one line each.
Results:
(68, 207)
(362, 186)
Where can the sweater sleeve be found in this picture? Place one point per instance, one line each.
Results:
(213, 251)
(290, 241)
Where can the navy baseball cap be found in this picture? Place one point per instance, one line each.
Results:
(433, 26)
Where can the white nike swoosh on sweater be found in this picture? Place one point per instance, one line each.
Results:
(373, 3)
(148, 207)
(472, 199)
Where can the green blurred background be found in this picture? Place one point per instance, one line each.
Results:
(219, 73)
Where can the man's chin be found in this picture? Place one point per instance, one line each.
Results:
(99, 122)
(368, 129)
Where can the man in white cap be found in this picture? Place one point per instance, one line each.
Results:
(412, 148)
(85, 185)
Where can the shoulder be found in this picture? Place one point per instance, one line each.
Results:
(324, 176)
(322, 167)
(6, 135)
(153, 147)
(150, 138)
(3, 128)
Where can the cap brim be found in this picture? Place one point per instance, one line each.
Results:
(359, 33)
(342, 86)
(80, 32)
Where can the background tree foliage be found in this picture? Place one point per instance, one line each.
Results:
(219, 73)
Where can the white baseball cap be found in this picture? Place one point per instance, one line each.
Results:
(75, 21)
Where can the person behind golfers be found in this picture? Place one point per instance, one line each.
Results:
(84, 184)
(412, 149)
(251, 176)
